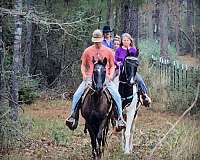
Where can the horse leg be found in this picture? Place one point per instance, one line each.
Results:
(133, 128)
(93, 141)
(101, 127)
(100, 137)
(131, 137)
(123, 140)
(128, 133)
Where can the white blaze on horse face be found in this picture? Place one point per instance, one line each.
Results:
(132, 80)
(99, 70)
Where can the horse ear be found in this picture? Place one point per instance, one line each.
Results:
(93, 60)
(137, 52)
(105, 61)
(127, 52)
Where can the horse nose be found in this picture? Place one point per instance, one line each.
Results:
(99, 87)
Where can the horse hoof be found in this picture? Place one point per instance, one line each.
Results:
(127, 152)
(120, 128)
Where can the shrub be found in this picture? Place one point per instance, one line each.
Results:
(149, 47)
(160, 90)
(28, 91)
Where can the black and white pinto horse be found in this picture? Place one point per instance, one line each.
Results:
(127, 87)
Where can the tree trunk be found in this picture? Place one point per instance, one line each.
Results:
(125, 15)
(66, 3)
(156, 15)
(150, 21)
(116, 26)
(190, 15)
(17, 63)
(1, 59)
(110, 13)
(133, 23)
(176, 11)
(28, 54)
(163, 28)
(129, 18)
(194, 29)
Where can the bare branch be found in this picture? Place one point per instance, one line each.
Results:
(12, 101)
(175, 124)
(5, 113)
(41, 20)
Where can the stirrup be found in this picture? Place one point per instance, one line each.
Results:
(146, 101)
(121, 126)
(71, 122)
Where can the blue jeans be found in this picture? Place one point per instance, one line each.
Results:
(112, 89)
(141, 85)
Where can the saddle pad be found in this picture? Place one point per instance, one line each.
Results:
(84, 94)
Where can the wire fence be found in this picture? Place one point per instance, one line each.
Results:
(178, 76)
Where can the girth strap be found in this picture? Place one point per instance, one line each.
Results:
(127, 98)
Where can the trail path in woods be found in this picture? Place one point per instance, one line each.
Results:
(50, 139)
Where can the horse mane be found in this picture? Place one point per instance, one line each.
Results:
(99, 62)
(129, 53)
(137, 52)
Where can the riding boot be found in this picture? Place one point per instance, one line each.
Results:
(145, 99)
(72, 120)
(120, 124)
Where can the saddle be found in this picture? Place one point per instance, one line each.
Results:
(89, 88)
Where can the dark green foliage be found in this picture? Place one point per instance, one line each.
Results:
(149, 47)
(29, 91)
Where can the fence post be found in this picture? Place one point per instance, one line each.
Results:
(174, 74)
(182, 79)
(186, 79)
(171, 75)
(178, 76)
(160, 64)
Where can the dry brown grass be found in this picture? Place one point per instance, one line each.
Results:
(52, 140)
(188, 59)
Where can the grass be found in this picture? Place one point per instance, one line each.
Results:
(50, 139)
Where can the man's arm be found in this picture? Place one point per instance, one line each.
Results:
(111, 66)
(83, 65)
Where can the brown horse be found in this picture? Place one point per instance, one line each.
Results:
(96, 109)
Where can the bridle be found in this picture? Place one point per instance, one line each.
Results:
(128, 60)
(93, 80)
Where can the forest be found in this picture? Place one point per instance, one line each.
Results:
(41, 43)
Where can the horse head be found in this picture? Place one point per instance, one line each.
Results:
(129, 69)
(99, 74)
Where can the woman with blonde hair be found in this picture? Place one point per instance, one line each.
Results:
(127, 43)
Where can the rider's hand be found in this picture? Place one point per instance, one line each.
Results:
(109, 77)
(119, 64)
(84, 77)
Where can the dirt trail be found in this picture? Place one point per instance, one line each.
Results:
(62, 143)
(58, 109)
